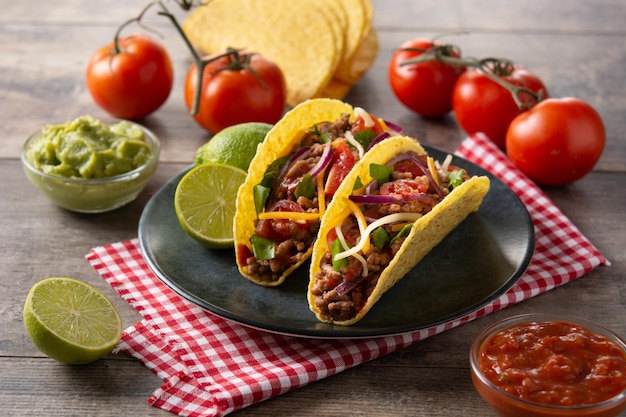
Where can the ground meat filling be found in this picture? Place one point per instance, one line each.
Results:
(294, 238)
(341, 294)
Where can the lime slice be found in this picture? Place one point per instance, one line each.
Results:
(235, 145)
(205, 202)
(71, 321)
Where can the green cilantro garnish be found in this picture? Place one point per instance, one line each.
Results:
(455, 178)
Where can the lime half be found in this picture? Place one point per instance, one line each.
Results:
(205, 203)
(71, 321)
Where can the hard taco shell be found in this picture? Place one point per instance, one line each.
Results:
(425, 234)
(278, 142)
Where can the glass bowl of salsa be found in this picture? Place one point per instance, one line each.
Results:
(88, 166)
(547, 365)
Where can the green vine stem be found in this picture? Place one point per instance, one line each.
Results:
(234, 56)
(493, 68)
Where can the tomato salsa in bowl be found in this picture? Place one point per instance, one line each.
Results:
(546, 365)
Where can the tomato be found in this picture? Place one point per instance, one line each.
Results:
(133, 82)
(403, 187)
(360, 122)
(482, 105)
(556, 142)
(411, 167)
(237, 88)
(342, 162)
(278, 229)
(424, 87)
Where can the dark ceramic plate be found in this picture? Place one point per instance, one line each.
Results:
(475, 264)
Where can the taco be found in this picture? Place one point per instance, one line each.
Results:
(394, 207)
(291, 179)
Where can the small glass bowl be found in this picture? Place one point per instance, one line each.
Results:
(95, 195)
(508, 405)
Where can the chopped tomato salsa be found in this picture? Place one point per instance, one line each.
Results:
(555, 363)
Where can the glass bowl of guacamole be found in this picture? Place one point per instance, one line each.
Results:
(87, 166)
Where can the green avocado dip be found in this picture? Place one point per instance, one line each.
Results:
(86, 148)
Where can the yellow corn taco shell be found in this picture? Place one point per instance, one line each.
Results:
(426, 232)
(278, 142)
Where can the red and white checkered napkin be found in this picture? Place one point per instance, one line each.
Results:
(212, 366)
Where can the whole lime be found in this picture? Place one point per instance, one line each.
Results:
(235, 145)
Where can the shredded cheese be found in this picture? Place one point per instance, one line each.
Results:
(288, 215)
(367, 119)
(341, 237)
(446, 163)
(397, 227)
(361, 221)
(350, 138)
(363, 262)
(334, 222)
(392, 218)
(321, 197)
(433, 169)
(345, 246)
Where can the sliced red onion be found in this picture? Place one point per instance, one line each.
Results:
(325, 158)
(371, 187)
(426, 172)
(300, 154)
(375, 199)
(398, 158)
(393, 126)
(347, 286)
(390, 198)
(378, 139)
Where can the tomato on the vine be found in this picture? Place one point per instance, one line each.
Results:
(556, 142)
(130, 80)
(482, 105)
(237, 87)
(425, 86)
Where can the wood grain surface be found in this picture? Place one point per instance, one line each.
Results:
(578, 47)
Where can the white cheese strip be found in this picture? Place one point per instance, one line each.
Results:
(392, 218)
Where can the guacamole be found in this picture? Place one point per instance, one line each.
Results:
(86, 148)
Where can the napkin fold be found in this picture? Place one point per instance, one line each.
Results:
(212, 366)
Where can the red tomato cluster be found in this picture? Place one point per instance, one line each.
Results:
(133, 76)
(554, 141)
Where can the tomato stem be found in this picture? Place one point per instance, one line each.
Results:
(446, 53)
(235, 60)
(185, 5)
(493, 68)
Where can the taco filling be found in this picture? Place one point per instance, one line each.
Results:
(369, 232)
(295, 189)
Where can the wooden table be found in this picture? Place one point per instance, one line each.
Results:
(578, 47)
